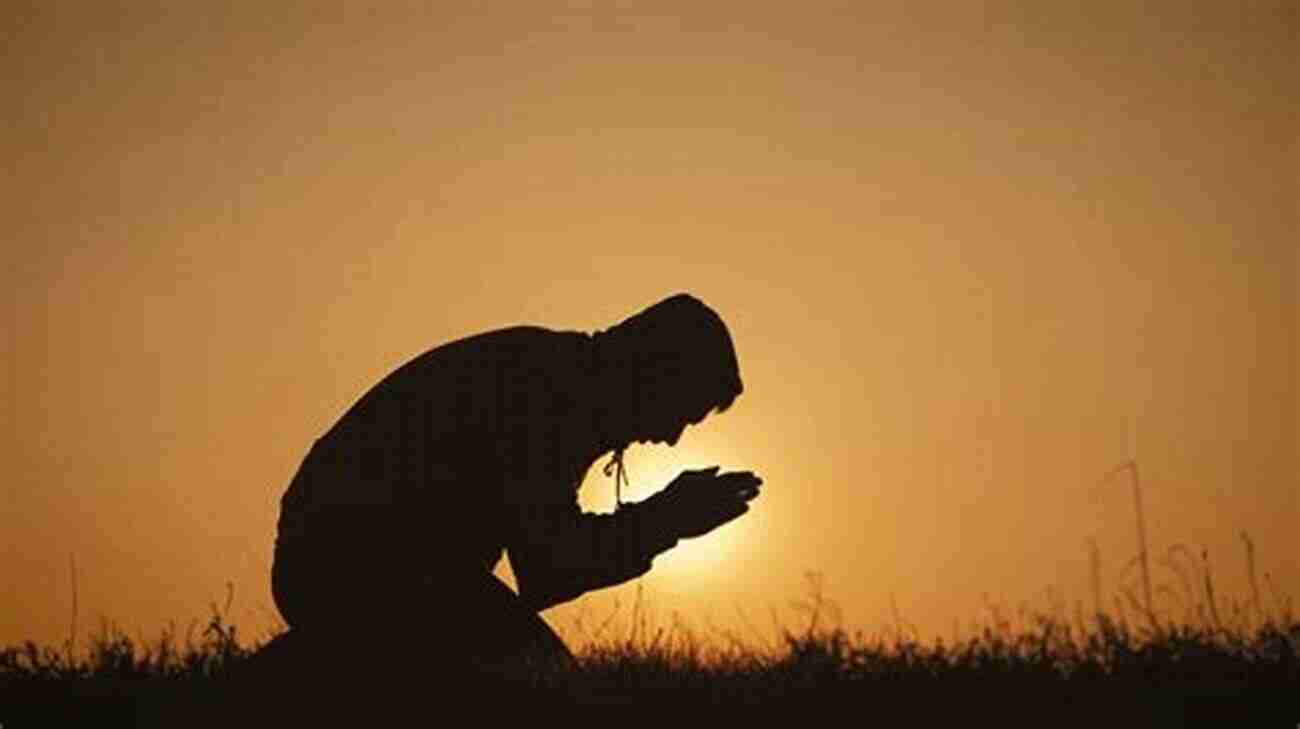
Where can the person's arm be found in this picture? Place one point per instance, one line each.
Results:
(558, 552)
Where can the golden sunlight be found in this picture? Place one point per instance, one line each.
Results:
(651, 468)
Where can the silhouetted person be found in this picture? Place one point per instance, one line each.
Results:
(398, 513)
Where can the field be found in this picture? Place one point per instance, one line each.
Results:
(1213, 666)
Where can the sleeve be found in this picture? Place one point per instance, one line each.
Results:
(556, 550)
(559, 552)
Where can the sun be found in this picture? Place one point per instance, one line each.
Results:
(702, 557)
(649, 469)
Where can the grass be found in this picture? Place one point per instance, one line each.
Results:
(1197, 659)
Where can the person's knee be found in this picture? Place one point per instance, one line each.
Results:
(508, 628)
(310, 589)
(282, 590)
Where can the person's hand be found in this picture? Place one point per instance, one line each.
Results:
(697, 502)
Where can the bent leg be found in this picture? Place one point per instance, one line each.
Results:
(492, 626)
(349, 567)
(354, 596)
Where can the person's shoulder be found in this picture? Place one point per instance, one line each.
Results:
(527, 342)
(520, 335)
(524, 347)
(475, 348)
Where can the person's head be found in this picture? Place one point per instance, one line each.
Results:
(665, 368)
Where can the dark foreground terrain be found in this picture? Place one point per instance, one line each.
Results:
(1051, 674)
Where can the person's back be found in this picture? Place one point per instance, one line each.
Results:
(409, 481)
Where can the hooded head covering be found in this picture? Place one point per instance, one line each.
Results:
(681, 343)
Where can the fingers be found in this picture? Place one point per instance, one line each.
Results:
(732, 511)
(710, 471)
(707, 487)
(720, 502)
(711, 474)
(714, 517)
(703, 508)
(740, 478)
(692, 478)
(743, 485)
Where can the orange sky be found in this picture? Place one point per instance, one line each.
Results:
(971, 260)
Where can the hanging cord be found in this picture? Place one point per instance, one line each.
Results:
(616, 469)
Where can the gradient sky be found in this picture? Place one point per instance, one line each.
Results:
(972, 260)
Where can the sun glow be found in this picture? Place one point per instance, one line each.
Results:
(651, 468)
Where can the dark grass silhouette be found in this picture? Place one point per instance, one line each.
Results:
(1039, 668)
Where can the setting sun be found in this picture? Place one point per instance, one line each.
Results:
(651, 468)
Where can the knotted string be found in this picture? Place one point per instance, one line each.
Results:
(616, 469)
